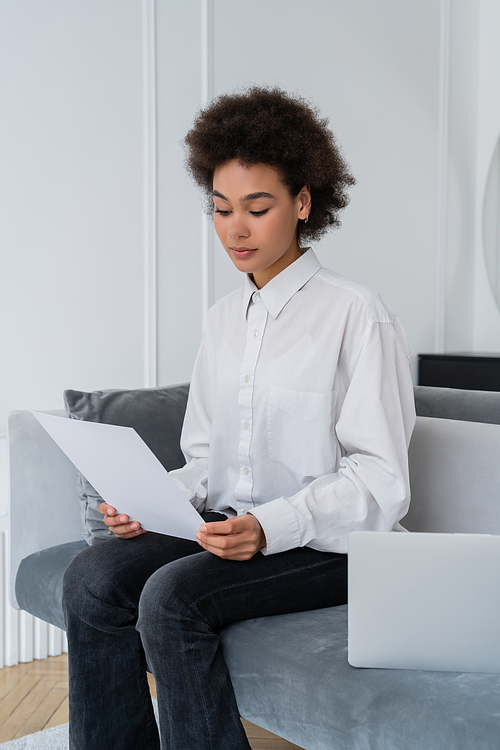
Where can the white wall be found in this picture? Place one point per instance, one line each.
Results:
(71, 200)
(456, 286)
(107, 262)
(373, 70)
(71, 205)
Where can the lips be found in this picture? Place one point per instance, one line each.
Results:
(242, 252)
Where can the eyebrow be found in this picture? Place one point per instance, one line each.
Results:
(246, 198)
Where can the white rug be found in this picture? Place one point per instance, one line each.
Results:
(55, 738)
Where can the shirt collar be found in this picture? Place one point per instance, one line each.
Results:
(280, 290)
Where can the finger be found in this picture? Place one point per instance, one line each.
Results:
(220, 542)
(218, 528)
(118, 520)
(129, 534)
(106, 510)
(238, 546)
(230, 532)
(217, 538)
(127, 530)
(229, 550)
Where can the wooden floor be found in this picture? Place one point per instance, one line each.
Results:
(34, 696)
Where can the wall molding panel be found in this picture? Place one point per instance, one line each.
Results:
(150, 247)
(443, 176)
(207, 93)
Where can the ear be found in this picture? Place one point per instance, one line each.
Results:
(304, 202)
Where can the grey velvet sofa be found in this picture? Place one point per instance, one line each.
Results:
(290, 672)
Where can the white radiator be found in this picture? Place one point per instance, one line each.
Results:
(23, 637)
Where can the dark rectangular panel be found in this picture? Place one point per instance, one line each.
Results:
(478, 373)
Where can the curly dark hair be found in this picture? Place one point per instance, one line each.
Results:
(263, 125)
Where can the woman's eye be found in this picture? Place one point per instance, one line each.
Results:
(222, 213)
(259, 213)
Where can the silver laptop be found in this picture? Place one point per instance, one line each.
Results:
(424, 601)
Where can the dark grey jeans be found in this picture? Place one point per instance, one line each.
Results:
(160, 601)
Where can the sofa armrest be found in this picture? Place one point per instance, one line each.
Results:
(44, 507)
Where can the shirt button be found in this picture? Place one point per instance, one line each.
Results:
(255, 334)
(246, 471)
(247, 378)
(257, 295)
(245, 425)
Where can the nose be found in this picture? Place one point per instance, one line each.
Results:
(238, 227)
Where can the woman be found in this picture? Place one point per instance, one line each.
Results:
(296, 433)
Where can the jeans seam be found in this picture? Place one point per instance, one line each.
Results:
(258, 580)
(202, 695)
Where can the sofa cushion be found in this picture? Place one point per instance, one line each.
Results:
(155, 413)
(291, 676)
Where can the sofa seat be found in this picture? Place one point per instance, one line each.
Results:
(291, 676)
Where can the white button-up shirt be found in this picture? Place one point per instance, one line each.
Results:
(301, 410)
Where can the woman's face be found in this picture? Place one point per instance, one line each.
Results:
(255, 218)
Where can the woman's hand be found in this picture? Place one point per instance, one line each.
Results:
(237, 538)
(120, 524)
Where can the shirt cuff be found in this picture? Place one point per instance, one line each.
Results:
(279, 524)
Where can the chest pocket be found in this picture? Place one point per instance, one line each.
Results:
(300, 430)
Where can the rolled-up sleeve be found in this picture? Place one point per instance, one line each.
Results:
(370, 488)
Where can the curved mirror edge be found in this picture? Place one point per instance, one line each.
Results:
(491, 224)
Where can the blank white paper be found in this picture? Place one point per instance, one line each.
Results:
(125, 472)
